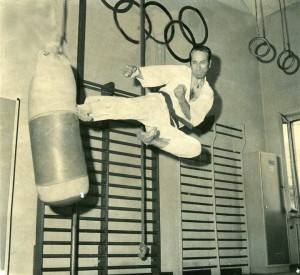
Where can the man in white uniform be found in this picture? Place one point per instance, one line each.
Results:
(184, 100)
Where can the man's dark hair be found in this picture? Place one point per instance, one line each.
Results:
(200, 48)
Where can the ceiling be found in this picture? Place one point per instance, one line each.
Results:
(268, 6)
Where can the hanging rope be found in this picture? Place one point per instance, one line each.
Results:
(60, 20)
(286, 59)
(258, 37)
(262, 19)
(256, 19)
(144, 250)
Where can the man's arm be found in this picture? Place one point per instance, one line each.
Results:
(154, 76)
(179, 92)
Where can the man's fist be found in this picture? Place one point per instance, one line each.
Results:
(130, 71)
(180, 91)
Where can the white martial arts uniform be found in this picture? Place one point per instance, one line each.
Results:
(172, 76)
(152, 110)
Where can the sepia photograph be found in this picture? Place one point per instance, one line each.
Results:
(149, 137)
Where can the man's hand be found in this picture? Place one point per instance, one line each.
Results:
(130, 71)
(180, 92)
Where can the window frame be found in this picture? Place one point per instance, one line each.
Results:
(289, 118)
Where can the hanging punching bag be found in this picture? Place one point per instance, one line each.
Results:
(58, 158)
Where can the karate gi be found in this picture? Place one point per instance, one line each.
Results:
(152, 110)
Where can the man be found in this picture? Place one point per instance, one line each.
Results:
(183, 100)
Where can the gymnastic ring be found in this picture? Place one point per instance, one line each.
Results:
(290, 54)
(183, 60)
(271, 58)
(113, 8)
(203, 20)
(259, 38)
(121, 30)
(153, 3)
(296, 58)
(284, 67)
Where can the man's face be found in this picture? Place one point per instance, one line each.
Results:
(199, 64)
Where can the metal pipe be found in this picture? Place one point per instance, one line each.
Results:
(80, 73)
(143, 248)
(103, 248)
(80, 49)
(229, 127)
(74, 235)
(106, 89)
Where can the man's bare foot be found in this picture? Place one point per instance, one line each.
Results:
(152, 137)
(148, 137)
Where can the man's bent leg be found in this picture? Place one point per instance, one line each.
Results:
(180, 144)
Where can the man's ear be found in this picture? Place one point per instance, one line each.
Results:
(209, 64)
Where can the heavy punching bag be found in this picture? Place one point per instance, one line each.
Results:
(58, 158)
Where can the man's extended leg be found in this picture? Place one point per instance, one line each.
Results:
(148, 109)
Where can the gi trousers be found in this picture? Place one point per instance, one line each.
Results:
(152, 111)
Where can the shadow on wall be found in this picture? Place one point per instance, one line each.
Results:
(212, 77)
